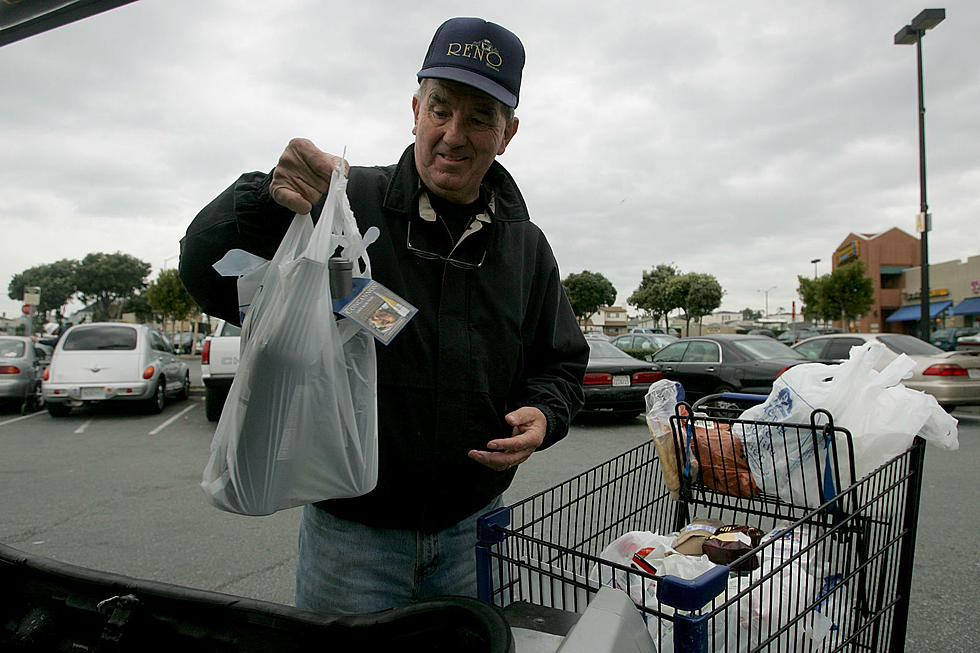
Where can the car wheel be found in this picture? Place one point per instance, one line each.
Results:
(214, 401)
(154, 405)
(185, 388)
(33, 402)
(58, 410)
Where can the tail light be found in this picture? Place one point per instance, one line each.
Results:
(597, 378)
(945, 369)
(206, 353)
(783, 370)
(148, 372)
(647, 377)
(9, 369)
(47, 374)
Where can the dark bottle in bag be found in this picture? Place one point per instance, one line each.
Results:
(341, 270)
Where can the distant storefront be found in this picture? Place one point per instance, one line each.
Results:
(954, 296)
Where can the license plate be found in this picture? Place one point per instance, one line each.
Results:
(92, 393)
(620, 381)
(974, 373)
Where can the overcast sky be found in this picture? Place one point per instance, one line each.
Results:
(739, 139)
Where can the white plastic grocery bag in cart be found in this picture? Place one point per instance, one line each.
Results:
(882, 415)
(300, 421)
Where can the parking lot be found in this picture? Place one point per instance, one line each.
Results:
(117, 490)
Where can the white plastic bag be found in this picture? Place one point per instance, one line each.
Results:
(300, 421)
(882, 415)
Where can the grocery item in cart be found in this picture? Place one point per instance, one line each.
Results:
(661, 401)
(721, 459)
(882, 415)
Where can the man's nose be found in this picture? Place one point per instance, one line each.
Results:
(455, 131)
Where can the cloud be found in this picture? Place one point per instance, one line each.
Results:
(738, 140)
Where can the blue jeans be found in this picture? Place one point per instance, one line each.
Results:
(346, 567)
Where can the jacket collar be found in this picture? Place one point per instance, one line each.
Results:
(402, 194)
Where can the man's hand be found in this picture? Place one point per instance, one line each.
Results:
(529, 427)
(302, 176)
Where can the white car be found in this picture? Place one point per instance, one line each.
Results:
(112, 361)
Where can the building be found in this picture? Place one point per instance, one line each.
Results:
(886, 255)
(893, 262)
(954, 296)
(610, 320)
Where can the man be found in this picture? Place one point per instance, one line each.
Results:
(487, 372)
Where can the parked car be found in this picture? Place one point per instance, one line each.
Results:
(22, 363)
(793, 336)
(968, 343)
(724, 363)
(946, 339)
(187, 342)
(643, 343)
(117, 362)
(615, 382)
(952, 377)
(769, 333)
(219, 364)
(670, 332)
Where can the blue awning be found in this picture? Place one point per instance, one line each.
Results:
(914, 312)
(969, 306)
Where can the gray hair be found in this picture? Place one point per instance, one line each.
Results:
(506, 111)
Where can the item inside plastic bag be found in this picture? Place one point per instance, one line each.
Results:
(882, 415)
(300, 421)
(661, 401)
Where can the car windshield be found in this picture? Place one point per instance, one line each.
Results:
(910, 345)
(765, 349)
(100, 338)
(230, 329)
(605, 349)
(12, 348)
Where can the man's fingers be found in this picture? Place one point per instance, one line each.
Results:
(302, 175)
(290, 199)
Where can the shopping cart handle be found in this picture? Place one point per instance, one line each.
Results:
(693, 594)
(731, 396)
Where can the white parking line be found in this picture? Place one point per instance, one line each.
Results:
(81, 429)
(171, 420)
(21, 418)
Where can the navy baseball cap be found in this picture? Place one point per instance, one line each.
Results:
(477, 53)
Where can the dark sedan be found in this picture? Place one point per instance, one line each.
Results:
(724, 363)
(615, 382)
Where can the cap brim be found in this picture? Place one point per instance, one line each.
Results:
(473, 79)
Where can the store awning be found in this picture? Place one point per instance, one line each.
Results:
(914, 312)
(969, 306)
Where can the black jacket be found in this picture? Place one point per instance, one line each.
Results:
(484, 341)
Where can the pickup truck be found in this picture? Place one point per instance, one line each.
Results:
(219, 363)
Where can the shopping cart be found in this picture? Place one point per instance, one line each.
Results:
(833, 574)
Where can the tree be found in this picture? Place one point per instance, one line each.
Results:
(56, 281)
(140, 307)
(587, 291)
(750, 315)
(841, 295)
(654, 293)
(168, 297)
(848, 292)
(108, 279)
(699, 295)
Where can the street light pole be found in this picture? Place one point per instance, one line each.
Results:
(913, 33)
(815, 261)
(766, 292)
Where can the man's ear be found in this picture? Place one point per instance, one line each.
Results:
(415, 112)
(509, 132)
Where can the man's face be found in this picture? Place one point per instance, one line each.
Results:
(458, 133)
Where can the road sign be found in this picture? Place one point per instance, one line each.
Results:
(27, 309)
(32, 295)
